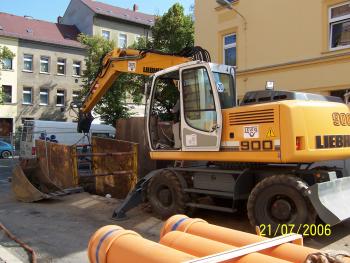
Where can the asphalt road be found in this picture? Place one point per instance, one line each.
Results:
(59, 230)
(6, 168)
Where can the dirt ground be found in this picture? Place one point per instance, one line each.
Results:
(59, 230)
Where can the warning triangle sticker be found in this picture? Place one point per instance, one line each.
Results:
(270, 133)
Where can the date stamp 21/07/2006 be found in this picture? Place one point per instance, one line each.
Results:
(305, 230)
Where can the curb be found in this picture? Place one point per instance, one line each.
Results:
(7, 257)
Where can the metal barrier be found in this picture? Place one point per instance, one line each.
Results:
(112, 166)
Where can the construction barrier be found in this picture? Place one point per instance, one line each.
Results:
(57, 163)
(56, 169)
(114, 164)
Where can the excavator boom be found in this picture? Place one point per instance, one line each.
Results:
(121, 61)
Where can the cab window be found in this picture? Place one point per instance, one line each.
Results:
(225, 87)
(198, 100)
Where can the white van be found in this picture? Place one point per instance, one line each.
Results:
(59, 132)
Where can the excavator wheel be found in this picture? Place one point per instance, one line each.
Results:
(165, 195)
(279, 202)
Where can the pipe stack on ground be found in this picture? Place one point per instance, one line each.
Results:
(201, 228)
(201, 247)
(115, 244)
(183, 239)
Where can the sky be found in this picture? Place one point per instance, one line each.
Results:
(49, 10)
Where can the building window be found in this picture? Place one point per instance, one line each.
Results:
(76, 68)
(230, 50)
(44, 96)
(27, 96)
(7, 93)
(75, 97)
(339, 21)
(123, 41)
(44, 64)
(61, 66)
(60, 98)
(28, 63)
(7, 63)
(106, 34)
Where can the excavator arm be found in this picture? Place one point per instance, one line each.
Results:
(121, 61)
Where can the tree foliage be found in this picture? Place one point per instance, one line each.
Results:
(171, 33)
(113, 105)
(5, 53)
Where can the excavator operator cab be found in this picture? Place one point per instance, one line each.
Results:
(184, 106)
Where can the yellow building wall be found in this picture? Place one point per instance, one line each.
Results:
(283, 41)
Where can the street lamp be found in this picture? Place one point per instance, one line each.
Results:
(225, 3)
(228, 4)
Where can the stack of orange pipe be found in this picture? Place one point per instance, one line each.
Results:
(183, 239)
(115, 244)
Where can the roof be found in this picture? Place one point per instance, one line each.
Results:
(38, 30)
(120, 13)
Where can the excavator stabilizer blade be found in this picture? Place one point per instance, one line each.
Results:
(331, 200)
(31, 184)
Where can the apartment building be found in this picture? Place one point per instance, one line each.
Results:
(48, 66)
(123, 26)
(300, 45)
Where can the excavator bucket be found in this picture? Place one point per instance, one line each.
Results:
(331, 200)
(30, 184)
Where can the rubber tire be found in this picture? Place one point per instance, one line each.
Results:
(166, 179)
(5, 154)
(287, 185)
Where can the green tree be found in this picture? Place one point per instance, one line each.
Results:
(113, 105)
(171, 33)
(5, 53)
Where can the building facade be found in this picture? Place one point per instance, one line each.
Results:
(300, 45)
(8, 82)
(49, 77)
(45, 75)
(121, 25)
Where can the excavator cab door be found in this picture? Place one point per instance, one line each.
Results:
(201, 118)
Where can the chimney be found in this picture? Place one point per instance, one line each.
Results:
(135, 8)
(59, 19)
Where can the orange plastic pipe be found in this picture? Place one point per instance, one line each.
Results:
(201, 247)
(199, 227)
(112, 244)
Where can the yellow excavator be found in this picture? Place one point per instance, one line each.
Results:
(263, 151)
